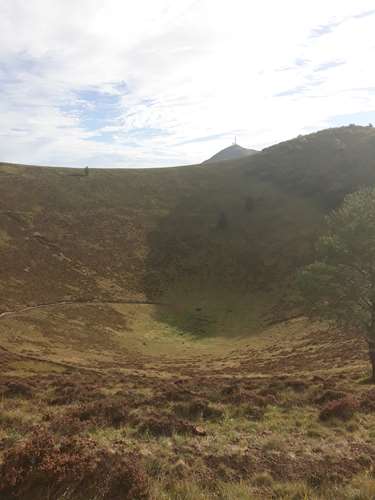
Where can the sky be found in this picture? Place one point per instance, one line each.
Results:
(149, 83)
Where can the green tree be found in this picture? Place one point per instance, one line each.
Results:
(340, 285)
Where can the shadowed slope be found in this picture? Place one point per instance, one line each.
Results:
(195, 237)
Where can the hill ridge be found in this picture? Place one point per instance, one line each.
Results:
(231, 152)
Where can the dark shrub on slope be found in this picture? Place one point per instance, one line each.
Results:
(73, 468)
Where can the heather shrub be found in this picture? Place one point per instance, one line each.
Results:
(296, 384)
(197, 409)
(330, 395)
(368, 401)
(66, 425)
(15, 388)
(73, 468)
(69, 392)
(237, 395)
(249, 411)
(167, 426)
(343, 409)
(110, 411)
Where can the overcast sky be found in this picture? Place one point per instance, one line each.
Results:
(168, 82)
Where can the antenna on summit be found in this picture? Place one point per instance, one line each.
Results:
(235, 140)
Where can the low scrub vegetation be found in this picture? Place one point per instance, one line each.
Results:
(181, 368)
(46, 467)
(199, 432)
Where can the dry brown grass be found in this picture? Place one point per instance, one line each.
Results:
(218, 414)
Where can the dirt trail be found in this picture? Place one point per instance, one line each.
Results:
(29, 357)
(80, 302)
(15, 312)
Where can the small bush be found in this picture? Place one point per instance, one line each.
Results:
(343, 409)
(75, 392)
(176, 394)
(16, 388)
(167, 426)
(274, 443)
(330, 395)
(66, 425)
(197, 409)
(74, 468)
(368, 401)
(263, 479)
(236, 395)
(109, 411)
(249, 411)
(296, 385)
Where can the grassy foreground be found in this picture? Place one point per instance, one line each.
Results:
(104, 401)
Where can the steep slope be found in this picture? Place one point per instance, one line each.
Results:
(232, 152)
(208, 240)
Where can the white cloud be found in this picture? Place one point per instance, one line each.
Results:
(265, 71)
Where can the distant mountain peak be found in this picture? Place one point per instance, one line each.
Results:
(231, 153)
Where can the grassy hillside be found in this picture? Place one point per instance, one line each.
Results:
(212, 239)
(142, 354)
